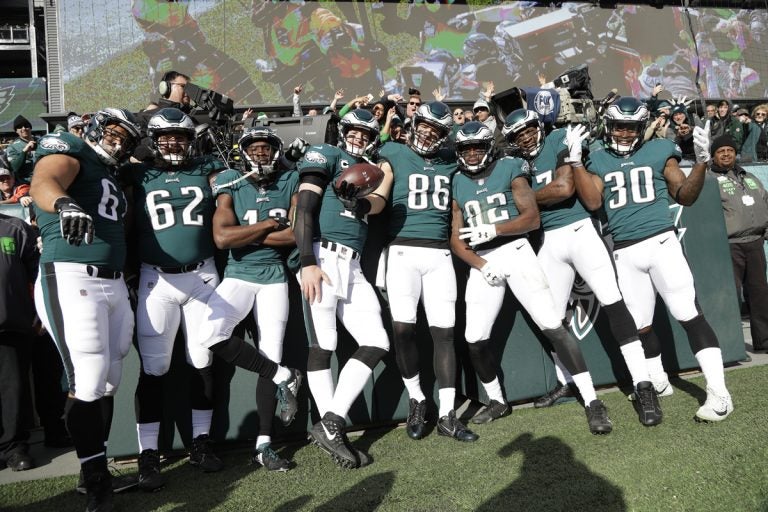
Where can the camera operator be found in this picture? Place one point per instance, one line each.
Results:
(172, 89)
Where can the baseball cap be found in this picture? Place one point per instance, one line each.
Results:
(4, 171)
(742, 112)
(74, 120)
(480, 104)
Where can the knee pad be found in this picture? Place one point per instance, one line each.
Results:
(651, 343)
(567, 349)
(369, 356)
(622, 324)
(700, 334)
(318, 359)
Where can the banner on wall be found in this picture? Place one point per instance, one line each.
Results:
(22, 96)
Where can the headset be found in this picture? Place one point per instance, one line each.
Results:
(164, 87)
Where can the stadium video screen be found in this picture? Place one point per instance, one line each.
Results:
(257, 51)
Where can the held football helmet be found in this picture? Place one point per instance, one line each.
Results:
(625, 123)
(111, 146)
(474, 147)
(426, 140)
(260, 161)
(172, 122)
(517, 122)
(363, 120)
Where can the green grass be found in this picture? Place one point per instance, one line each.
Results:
(532, 460)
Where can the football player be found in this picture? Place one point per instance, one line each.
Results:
(331, 228)
(572, 244)
(420, 264)
(252, 212)
(173, 207)
(494, 208)
(80, 293)
(634, 182)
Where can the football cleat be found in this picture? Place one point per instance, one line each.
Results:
(561, 393)
(414, 426)
(450, 426)
(647, 405)
(286, 396)
(150, 478)
(715, 408)
(201, 455)
(98, 485)
(328, 435)
(597, 418)
(265, 456)
(662, 386)
(492, 411)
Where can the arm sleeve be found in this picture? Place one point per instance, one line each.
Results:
(304, 225)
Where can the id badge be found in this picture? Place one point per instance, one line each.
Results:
(748, 200)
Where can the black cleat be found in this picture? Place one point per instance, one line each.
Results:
(414, 427)
(150, 478)
(201, 455)
(647, 404)
(286, 397)
(328, 435)
(492, 411)
(560, 393)
(98, 485)
(597, 418)
(19, 461)
(451, 426)
(363, 459)
(120, 482)
(265, 456)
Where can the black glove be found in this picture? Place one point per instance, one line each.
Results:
(347, 194)
(76, 225)
(296, 149)
(282, 223)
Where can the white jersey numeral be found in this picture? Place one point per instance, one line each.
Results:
(252, 216)
(418, 192)
(109, 200)
(640, 187)
(161, 213)
(473, 212)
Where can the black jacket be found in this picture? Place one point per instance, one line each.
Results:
(18, 270)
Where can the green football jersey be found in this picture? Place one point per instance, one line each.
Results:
(96, 190)
(421, 193)
(488, 200)
(257, 263)
(174, 212)
(334, 222)
(543, 167)
(636, 199)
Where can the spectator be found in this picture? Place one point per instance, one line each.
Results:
(75, 124)
(414, 102)
(711, 111)
(21, 152)
(9, 192)
(468, 116)
(724, 122)
(745, 207)
(755, 147)
(172, 89)
(680, 129)
(18, 268)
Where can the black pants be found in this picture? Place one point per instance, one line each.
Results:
(15, 399)
(749, 272)
(50, 390)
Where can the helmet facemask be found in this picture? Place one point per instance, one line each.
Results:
(474, 147)
(113, 134)
(432, 123)
(524, 132)
(366, 134)
(623, 145)
(174, 148)
(173, 135)
(260, 151)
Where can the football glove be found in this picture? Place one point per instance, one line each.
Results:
(76, 225)
(296, 149)
(702, 143)
(347, 194)
(493, 276)
(478, 234)
(282, 223)
(575, 135)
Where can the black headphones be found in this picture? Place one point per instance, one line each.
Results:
(164, 87)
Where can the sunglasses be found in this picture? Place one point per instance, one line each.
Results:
(415, 103)
(760, 114)
(458, 113)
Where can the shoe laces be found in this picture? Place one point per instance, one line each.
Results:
(598, 411)
(417, 416)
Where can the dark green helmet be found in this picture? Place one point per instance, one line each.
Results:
(436, 114)
(518, 122)
(629, 116)
(474, 135)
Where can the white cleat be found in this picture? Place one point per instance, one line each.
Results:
(715, 408)
(663, 387)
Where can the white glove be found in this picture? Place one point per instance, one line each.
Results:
(492, 275)
(296, 149)
(478, 234)
(683, 100)
(575, 135)
(702, 143)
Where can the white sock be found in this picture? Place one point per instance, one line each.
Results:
(320, 383)
(413, 385)
(447, 398)
(262, 440)
(201, 421)
(656, 369)
(711, 362)
(352, 380)
(148, 434)
(282, 375)
(493, 390)
(583, 381)
(563, 377)
(634, 357)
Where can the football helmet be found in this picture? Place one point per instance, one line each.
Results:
(517, 122)
(363, 120)
(260, 163)
(172, 122)
(629, 115)
(436, 115)
(111, 146)
(474, 135)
